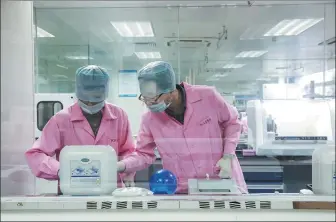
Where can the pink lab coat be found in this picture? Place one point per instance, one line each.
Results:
(70, 127)
(211, 128)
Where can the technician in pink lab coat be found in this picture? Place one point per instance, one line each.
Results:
(90, 121)
(194, 129)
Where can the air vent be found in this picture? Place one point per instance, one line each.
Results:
(250, 205)
(265, 205)
(204, 204)
(219, 204)
(152, 205)
(92, 205)
(106, 205)
(149, 44)
(235, 205)
(121, 204)
(189, 43)
(137, 205)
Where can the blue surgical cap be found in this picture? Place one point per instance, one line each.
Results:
(92, 83)
(159, 72)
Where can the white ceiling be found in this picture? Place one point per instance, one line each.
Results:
(79, 31)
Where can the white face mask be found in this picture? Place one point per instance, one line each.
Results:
(159, 107)
(91, 109)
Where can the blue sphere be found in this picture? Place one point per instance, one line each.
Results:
(163, 182)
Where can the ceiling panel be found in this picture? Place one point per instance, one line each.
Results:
(204, 39)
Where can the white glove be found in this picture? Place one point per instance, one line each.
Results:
(131, 192)
(121, 167)
(225, 166)
(129, 180)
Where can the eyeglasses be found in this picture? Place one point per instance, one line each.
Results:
(149, 100)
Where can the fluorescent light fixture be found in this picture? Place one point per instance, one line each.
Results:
(60, 76)
(233, 66)
(41, 33)
(134, 29)
(78, 57)
(220, 75)
(263, 79)
(212, 79)
(251, 54)
(148, 55)
(290, 27)
(64, 67)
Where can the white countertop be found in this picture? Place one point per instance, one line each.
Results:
(258, 207)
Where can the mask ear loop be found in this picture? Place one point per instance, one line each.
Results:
(171, 100)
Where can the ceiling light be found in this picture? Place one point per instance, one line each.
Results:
(233, 66)
(62, 66)
(78, 57)
(290, 27)
(41, 33)
(263, 79)
(212, 79)
(220, 75)
(148, 55)
(134, 29)
(251, 54)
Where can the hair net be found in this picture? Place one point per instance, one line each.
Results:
(161, 73)
(92, 83)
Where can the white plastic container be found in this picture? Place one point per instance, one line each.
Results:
(88, 170)
(323, 170)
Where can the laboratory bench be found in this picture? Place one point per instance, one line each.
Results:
(260, 207)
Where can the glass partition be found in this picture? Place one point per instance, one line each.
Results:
(242, 51)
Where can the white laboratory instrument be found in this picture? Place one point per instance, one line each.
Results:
(47, 105)
(88, 170)
(212, 187)
(323, 170)
(289, 127)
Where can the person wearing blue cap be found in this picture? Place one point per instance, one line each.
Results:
(90, 121)
(194, 129)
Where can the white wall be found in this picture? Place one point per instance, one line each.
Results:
(133, 107)
(17, 90)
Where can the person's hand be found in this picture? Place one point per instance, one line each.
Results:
(128, 180)
(121, 167)
(224, 165)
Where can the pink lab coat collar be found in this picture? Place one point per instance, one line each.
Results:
(192, 96)
(76, 113)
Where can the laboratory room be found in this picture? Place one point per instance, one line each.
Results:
(168, 110)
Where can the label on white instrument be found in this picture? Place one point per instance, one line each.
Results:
(85, 173)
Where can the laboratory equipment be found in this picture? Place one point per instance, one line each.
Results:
(163, 182)
(47, 105)
(264, 178)
(88, 170)
(289, 127)
(323, 170)
(212, 186)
